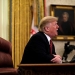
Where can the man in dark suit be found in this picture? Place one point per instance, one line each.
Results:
(38, 48)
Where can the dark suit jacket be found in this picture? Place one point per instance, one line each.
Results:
(37, 50)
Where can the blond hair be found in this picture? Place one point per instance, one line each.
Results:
(46, 20)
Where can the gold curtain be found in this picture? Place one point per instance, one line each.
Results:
(21, 25)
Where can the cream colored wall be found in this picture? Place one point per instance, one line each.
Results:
(59, 45)
(4, 19)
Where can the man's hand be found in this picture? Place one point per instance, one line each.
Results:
(58, 56)
(57, 59)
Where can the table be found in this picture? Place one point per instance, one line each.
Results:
(47, 69)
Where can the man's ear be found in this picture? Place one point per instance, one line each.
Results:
(46, 28)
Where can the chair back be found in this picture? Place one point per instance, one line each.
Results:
(5, 53)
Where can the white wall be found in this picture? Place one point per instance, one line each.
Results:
(59, 45)
(4, 19)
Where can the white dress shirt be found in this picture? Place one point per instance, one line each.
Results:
(48, 38)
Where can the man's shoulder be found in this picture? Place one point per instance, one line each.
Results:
(39, 34)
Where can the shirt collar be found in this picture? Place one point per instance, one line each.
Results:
(48, 38)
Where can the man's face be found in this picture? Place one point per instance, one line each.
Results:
(53, 27)
(65, 18)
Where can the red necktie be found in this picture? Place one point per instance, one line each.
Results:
(51, 46)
